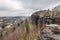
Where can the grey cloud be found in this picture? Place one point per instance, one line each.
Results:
(29, 6)
(4, 9)
(36, 4)
(39, 4)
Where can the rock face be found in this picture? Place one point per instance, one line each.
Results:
(50, 24)
(56, 8)
(50, 32)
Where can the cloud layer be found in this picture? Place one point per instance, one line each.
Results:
(24, 7)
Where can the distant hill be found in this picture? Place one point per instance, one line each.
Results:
(13, 19)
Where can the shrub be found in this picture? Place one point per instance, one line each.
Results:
(27, 26)
(0, 33)
(47, 13)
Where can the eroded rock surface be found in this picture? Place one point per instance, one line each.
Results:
(50, 32)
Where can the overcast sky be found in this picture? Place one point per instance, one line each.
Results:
(25, 7)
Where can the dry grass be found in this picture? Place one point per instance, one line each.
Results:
(20, 33)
